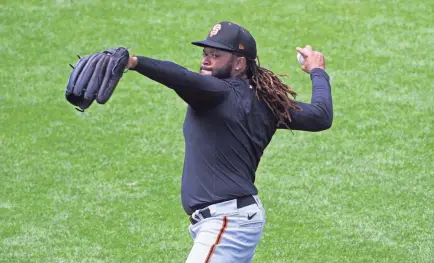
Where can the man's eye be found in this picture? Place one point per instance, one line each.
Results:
(210, 55)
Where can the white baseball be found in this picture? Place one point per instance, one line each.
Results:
(300, 58)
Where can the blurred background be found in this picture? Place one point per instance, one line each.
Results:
(104, 185)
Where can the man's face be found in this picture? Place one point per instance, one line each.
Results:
(217, 63)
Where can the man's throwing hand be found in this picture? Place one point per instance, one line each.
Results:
(312, 59)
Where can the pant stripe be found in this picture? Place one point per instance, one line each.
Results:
(219, 237)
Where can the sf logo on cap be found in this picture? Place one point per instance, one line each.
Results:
(215, 30)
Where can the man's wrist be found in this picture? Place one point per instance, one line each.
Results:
(319, 71)
(132, 62)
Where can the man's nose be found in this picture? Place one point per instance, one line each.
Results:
(205, 61)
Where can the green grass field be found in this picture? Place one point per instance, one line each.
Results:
(104, 185)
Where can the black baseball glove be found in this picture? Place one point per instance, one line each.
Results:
(95, 77)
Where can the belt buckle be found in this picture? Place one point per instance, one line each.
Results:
(203, 214)
(192, 220)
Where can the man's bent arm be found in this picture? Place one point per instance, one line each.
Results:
(318, 115)
(197, 90)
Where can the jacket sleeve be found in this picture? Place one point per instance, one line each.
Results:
(199, 91)
(317, 115)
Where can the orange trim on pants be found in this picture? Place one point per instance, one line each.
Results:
(219, 237)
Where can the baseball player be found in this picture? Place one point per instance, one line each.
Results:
(234, 108)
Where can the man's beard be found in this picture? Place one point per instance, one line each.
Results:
(222, 73)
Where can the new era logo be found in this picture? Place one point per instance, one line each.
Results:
(240, 46)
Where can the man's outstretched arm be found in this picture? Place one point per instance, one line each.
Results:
(197, 90)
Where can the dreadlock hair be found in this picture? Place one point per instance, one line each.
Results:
(273, 91)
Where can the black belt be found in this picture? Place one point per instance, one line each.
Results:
(241, 202)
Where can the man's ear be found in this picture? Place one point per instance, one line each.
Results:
(241, 64)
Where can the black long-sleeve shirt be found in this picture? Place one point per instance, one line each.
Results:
(226, 129)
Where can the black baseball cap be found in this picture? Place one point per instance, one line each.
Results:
(230, 37)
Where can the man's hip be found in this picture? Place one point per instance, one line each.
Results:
(228, 231)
